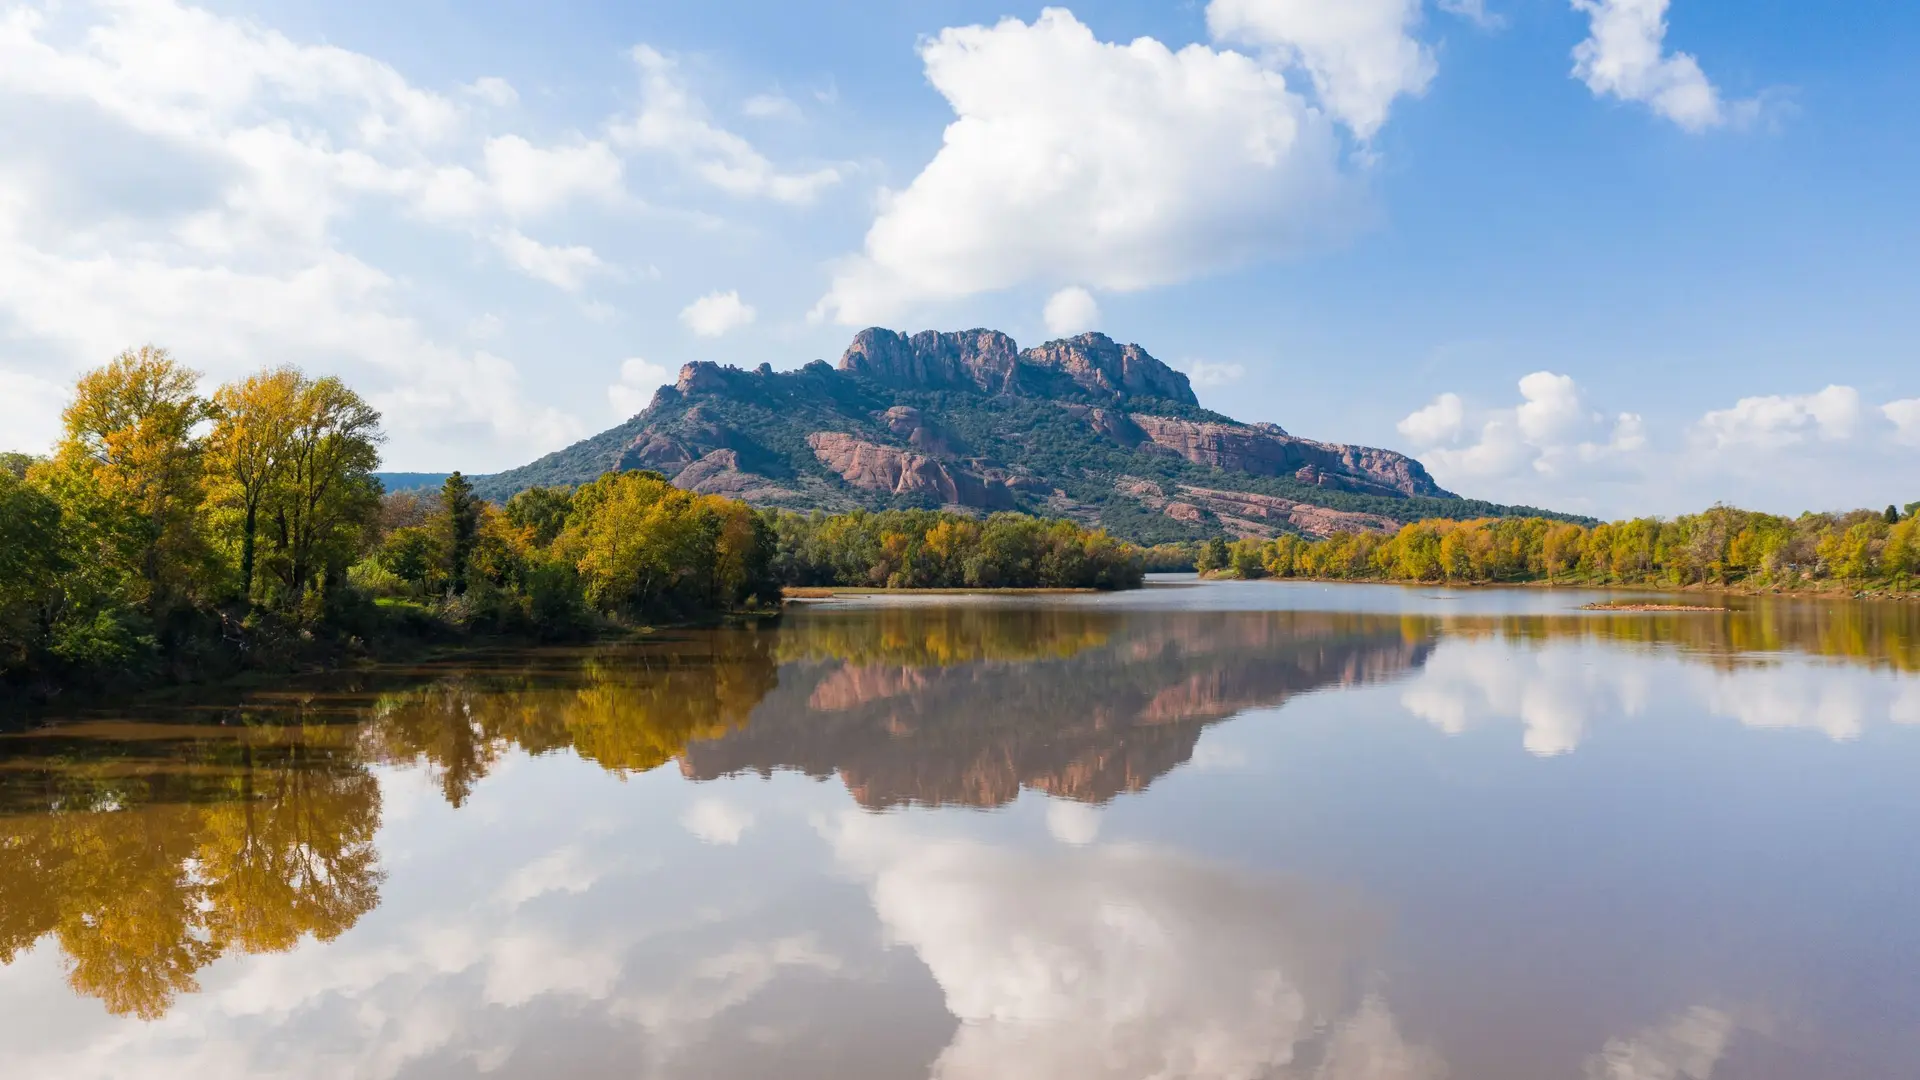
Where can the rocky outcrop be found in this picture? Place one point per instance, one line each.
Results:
(987, 362)
(1266, 450)
(719, 473)
(980, 360)
(1095, 363)
(891, 470)
(921, 433)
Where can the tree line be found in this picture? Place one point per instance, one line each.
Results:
(176, 535)
(1723, 547)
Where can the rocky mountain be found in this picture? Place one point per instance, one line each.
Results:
(1083, 427)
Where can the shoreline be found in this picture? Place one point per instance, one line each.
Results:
(1805, 593)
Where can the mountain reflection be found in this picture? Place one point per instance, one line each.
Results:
(919, 705)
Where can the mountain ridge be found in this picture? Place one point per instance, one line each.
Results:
(1082, 427)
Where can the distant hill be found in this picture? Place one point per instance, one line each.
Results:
(411, 481)
(1082, 427)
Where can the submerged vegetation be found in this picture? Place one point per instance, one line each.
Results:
(172, 536)
(1865, 550)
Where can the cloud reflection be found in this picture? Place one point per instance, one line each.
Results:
(1124, 961)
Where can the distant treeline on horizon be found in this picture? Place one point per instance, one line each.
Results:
(1868, 550)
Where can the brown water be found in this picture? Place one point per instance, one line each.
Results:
(1219, 831)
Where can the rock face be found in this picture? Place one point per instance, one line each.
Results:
(1266, 450)
(894, 471)
(986, 361)
(1095, 363)
(981, 360)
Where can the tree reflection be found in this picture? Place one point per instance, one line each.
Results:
(628, 709)
(142, 889)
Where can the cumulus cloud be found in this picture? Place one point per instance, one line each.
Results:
(1114, 167)
(672, 121)
(1904, 415)
(1785, 452)
(1440, 421)
(1550, 432)
(1360, 54)
(1072, 310)
(1777, 420)
(716, 313)
(1624, 56)
(259, 146)
(562, 267)
(638, 380)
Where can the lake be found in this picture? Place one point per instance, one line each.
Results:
(1231, 830)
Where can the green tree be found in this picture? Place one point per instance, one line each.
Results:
(460, 522)
(327, 497)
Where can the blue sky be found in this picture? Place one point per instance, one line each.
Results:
(1618, 256)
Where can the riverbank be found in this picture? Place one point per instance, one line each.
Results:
(1821, 591)
(827, 592)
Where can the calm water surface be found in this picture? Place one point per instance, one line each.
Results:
(1214, 831)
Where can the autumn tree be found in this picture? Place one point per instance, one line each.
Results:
(130, 458)
(250, 450)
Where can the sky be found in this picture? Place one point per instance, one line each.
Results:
(1608, 256)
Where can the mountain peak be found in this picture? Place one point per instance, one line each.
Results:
(989, 362)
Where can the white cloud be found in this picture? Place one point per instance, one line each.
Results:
(562, 267)
(672, 121)
(638, 381)
(1551, 432)
(260, 146)
(1623, 56)
(528, 179)
(1904, 415)
(1116, 167)
(30, 410)
(1475, 12)
(1208, 373)
(1442, 420)
(1072, 310)
(494, 91)
(716, 313)
(1833, 415)
(1360, 54)
(717, 821)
